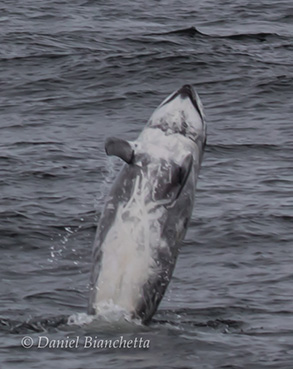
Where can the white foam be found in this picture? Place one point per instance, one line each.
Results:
(80, 319)
(108, 312)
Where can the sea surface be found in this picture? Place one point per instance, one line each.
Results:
(75, 72)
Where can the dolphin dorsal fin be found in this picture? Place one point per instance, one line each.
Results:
(121, 148)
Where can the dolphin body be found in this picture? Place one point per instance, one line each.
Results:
(148, 209)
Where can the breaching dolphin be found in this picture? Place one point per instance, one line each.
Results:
(148, 209)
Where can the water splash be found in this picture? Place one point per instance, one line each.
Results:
(108, 315)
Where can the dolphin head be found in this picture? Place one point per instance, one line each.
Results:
(181, 113)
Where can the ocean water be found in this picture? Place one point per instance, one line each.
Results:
(74, 73)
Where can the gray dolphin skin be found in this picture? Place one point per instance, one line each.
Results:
(148, 209)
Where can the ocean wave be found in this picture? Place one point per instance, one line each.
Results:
(194, 32)
(32, 325)
(225, 148)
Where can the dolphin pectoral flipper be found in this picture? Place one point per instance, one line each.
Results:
(183, 173)
(121, 148)
(180, 174)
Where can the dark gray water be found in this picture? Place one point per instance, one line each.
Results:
(73, 73)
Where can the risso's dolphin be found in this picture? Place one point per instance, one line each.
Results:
(147, 212)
